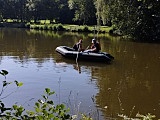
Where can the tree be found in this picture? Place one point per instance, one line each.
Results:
(1, 8)
(31, 9)
(84, 10)
(102, 10)
(48, 9)
(139, 19)
(148, 24)
(66, 15)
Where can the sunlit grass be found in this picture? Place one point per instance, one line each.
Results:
(71, 28)
(51, 25)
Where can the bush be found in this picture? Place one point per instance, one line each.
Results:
(45, 109)
(60, 27)
(85, 29)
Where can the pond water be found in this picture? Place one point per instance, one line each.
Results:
(129, 85)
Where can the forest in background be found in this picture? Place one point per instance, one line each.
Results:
(139, 19)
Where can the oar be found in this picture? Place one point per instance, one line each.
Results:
(78, 68)
(77, 58)
(77, 55)
(87, 47)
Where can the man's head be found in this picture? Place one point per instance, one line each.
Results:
(80, 41)
(93, 40)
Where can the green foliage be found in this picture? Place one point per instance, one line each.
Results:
(59, 27)
(44, 108)
(3, 109)
(102, 11)
(3, 72)
(19, 84)
(85, 29)
(139, 117)
(5, 83)
(84, 117)
(84, 10)
(138, 19)
(148, 20)
(146, 117)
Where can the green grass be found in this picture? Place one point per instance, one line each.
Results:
(45, 25)
(50, 25)
(90, 28)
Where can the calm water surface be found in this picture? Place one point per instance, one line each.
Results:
(129, 85)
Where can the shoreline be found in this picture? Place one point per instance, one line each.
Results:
(62, 27)
(57, 27)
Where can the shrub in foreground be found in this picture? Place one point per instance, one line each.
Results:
(44, 108)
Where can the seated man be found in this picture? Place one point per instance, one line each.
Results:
(78, 46)
(95, 47)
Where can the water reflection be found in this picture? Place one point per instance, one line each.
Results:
(131, 85)
(127, 86)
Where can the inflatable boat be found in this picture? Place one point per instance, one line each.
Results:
(84, 56)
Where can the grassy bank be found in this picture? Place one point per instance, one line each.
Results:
(70, 28)
(52, 26)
